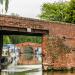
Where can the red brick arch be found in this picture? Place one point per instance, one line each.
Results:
(30, 44)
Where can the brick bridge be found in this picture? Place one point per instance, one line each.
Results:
(28, 46)
(56, 37)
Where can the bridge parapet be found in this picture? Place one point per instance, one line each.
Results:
(21, 22)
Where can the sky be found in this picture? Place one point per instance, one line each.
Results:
(27, 8)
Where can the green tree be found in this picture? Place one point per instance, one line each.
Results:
(15, 14)
(62, 11)
(5, 4)
(54, 11)
(6, 40)
(71, 12)
(23, 38)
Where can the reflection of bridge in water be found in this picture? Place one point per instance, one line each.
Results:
(30, 53)
(26, 62)
(29, 58)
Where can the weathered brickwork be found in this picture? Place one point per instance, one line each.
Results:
(30, 44)
(22, 58)
(63, 35)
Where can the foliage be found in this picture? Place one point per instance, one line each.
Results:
(6, 4)
(6, 40)
(14, 39)
(15, 14)
(1, 1)
(71, 12)
(63, 12)
(54, 12)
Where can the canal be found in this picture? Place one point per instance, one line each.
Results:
(37, 73)
(25, 63)
(58, 73)
(25, 68)
(23, 73)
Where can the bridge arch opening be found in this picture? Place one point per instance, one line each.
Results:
(28, 47)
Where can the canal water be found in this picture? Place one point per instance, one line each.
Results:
(37, 73)
(31, 66)
(33, 69)
(21, 63)
(58, 73)
(22, 73)
(28, 64)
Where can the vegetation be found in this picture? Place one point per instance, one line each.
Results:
(5, 4)
(62, 11)
(56, 47)
(14, 39)
(6, 40)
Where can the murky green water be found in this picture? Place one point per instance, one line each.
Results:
(23, 68)
(22, 73)
(37, 73)
(58, 73)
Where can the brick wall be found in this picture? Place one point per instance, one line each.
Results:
(64, 31)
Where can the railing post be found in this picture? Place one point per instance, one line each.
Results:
(1, 45)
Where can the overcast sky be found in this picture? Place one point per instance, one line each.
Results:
(27, 8)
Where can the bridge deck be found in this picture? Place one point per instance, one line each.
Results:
(20, 24)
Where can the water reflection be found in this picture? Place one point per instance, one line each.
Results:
(58, 73)
(24, 64)
(29, 58)
(22, 73)
(21, 63)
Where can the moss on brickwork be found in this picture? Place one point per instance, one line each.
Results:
(56, 46)
(56, 52)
